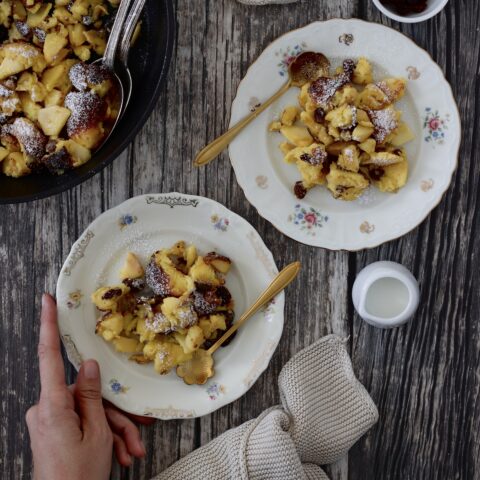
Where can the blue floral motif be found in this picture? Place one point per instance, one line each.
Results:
(435, 125)
(126, 220)
(214, 390)
(287, 56)
(116, 387)
(308, 219)
(220, 223)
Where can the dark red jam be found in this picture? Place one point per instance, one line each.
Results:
(406, 7)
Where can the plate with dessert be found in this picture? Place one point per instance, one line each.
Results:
(57, 104)
(152, 281)
(361, 150)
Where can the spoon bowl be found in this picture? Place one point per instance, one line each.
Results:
(199, 368)
(306, 67)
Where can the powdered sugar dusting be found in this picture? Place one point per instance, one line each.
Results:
(384, 121)
(368, 197)
(86, 108)
(28, 135)
(5, 92)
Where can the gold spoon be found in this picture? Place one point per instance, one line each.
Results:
(307, 67)
(200, 368)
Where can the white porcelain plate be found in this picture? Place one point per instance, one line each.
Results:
(376, 217)
(143, 225)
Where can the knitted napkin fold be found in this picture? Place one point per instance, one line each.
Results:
(324, 411)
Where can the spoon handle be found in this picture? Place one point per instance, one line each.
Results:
(129, 29)
(280, 282)
(213, 149)
(114, 37)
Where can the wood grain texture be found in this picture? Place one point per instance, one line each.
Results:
(425, 377)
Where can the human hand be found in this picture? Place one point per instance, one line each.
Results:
(72, 433)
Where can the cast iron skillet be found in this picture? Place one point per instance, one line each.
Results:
(148, 62)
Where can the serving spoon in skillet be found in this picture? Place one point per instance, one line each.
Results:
(124, 49)
(109, 60)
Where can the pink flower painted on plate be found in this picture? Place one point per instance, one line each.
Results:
(308, 219)
(215, 390)
(220, 223)
(287, 56)
(435, 126)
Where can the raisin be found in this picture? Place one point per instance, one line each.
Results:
(58, 162)
(135, 284)
(305, 157)
(299, 190)
(319, 115)
(113, 292)
(376, 173)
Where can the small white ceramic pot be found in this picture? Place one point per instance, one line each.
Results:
(434, 7)
(385, 294)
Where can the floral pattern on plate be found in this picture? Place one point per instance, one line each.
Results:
(116, 387)
(215, 390)
(254, 103)
(220, 223)
(435, 126)
(287, 56)
(126, 220)
(346, 38)
(77, 253)
(367, 227)
(262, 181)
(74, 299)
(413, 73)
(307, 218)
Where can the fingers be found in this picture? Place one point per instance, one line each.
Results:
(88, 396)
(31, 417)
(131, 416)
(127, 430)
(52, 372)
(121, 451)
(139, 419)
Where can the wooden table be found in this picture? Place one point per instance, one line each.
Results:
(424, 377)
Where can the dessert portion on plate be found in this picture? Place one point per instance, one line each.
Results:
(346, 133)
(55, 109)
(163, 313)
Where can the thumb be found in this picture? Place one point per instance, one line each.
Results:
(88, 395)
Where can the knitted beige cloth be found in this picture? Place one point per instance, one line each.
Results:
(324, 411)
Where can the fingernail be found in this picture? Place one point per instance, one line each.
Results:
(90, 369)
(46, 297)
